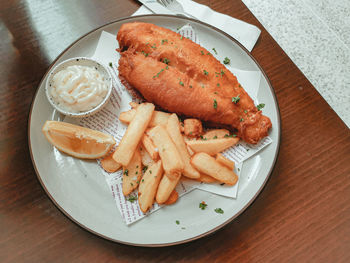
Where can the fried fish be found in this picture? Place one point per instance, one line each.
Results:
(181, 76)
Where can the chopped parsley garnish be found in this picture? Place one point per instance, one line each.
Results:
(219, 210)
(215, 137)
(126, 172)
(216, 92)
(241, 119)
(203, 138)
(226, 61)
(157, 75)
(166, 61)
(208, 53)
(215, 104)
(203, 87)
(150, 171)
(132, 198)
(235, 99)
(154, 46)
(191, 87)
(222, 73)
(245, 111)
(136, 172)
(230, 136)
(144, 53)
(177, 222)
(218, 84)
(181, 37)
(164, 40)
(203, 205)
(205, 72)
(260, 106)
(110, 64)
(202, 52)
(215, 51)
(142, 180)
(181, 83)
(144, 169)
(167, 67)
(132, 184)
(137, 166)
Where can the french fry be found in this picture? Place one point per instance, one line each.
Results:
(127, 116)
(158, 118)
(165, 188)
(215, 134)
(132, 173)
(207, 179)
(171, 159)
(133, 134)
(193, 127)
(206, 164)
(212, 147)
(150, 147)
(148, 185)
(145, 158)
(223, 160)
(172, 198)
(134, 104)
(109, 165)
(173, 129)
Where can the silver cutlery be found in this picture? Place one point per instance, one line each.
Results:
(176, 7)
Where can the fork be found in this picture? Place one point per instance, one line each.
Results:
(176, 7)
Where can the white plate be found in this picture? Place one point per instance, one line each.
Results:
(79, 190)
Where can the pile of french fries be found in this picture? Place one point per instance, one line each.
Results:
(157, 150)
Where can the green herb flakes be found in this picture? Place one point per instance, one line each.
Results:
(215, 104)
(226, 61)
(215, 51)
(260, 106)
(202, 52)
(205, 72)
(235, 100)
(166, 61)
(157, 75)
(181, 83)
(126, 172)
(164, 40)
(110, 64)
(202, 205)
(177, 222)
(132, 198)
(219, 210)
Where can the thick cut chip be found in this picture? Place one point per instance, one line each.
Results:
(78, 141)
(216, 134)
(165, 188)
(171, 159)
(133, 134)
(223, 160)
(173, 129)
(212, 147)
(208, 165)
(109, 165)
(132, 173)
(148, 186)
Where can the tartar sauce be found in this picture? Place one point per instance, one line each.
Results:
(78, 88)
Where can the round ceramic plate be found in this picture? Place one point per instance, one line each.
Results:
(78, 187)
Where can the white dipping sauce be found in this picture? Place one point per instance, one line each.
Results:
(78, 88)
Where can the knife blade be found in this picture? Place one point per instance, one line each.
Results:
(156, 7)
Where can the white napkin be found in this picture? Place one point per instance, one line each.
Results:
(245, 33)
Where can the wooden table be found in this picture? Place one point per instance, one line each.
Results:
(302, 215)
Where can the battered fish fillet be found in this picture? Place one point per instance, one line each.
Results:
(181, 76)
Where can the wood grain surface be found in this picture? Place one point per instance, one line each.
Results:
(302, 215)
